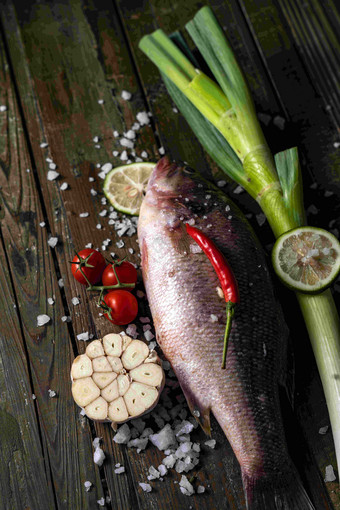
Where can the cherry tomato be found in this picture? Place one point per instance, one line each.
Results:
(88, 258)
(123, 306)
(126, 273)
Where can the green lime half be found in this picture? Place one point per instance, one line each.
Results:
(307, 259)
(125, 186)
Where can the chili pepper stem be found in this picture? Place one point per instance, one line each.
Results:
(230, 313)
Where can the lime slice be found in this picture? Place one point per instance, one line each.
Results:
(125, 186)
(307, 259)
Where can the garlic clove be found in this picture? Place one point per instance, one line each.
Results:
(81, 367)
(115, 363)
(85, 391)
(110, 392)
(123, 384)
(148, 373)
(103, 379)
(97, 410)
(113, 344)
(134, 354)
(101, 364)
(95, 349)
(118, 411)
(140, 397)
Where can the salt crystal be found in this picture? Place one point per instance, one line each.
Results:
(144, 154)
(312, 209)
(175, 110)
(185, 486)
(152, 346)
(131, 135)
(61, 283)
(75, 301)
(91, 179)
(51, 393)
(102, 175)
(93, 192)
(143, 118)
(115, 133)
(184, 428)
(52, 242)
(98, 456)
(164, 438)
(64, 186)
(88, 245)
(323, 430)
(52, 175)
(131, 250)
(336, 145)
(42, 224)
(237, 191)
(120, 470)
(125, 142)
(161, 151)
(124, 156)
(191, 221)
(148, 336)
(143, 320)
(84, 215)
(200, 489)
(44, 145)
(153, 473)
(140, 294)
(50, 301)
(120, 244)
(52, 166)
(221, 184)
(95, 139)
(131, 330)
(279, 122)
(126, 95)
(98, 226)
(139, 443)
(169, 461)
(123, 434)
(264, 117)
(211, 443)
(87, 485)
(43, 319)
(100, 101)
(103, 212)
(329, 474)
(146, 487)
(213, 318)
(260, 218)
(328, 194)
(83, 336)
(101, 501)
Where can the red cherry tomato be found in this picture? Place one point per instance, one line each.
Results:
(87, 258)
(126, 273)
(123, 306)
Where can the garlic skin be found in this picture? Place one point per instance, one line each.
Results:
(117, 379)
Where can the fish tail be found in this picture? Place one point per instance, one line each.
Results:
(284, 491)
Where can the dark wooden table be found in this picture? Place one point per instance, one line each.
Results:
(58, 59)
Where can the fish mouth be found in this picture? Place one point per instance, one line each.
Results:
(170, 179)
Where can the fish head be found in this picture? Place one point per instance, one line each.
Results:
(169, 196)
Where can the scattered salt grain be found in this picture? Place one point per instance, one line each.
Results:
(61, 283)
(213, 318)
(64, 186)
(161, 151)
(184, 428)
(221, 184)
(143, 118)
(124, 156)
(106, 167)
(211, 443)
(93, 192)
(52, 175)
(238, 190)
(44, 145)
(83, 336)
(123, 434)
(164, 439)
(126, 95)
(75, 301)
(162, 469)
(115, 153)
(140, 294)
(33, 396)
(153, 473)
(336, 145)
(146, 487)
(42, 224)
(148, 336)
(175, 110)
(328, 194)
(101, 501)
(95, 139)
(50, 301)
(120, 244)
(84, 215)
(312, 209)
(139, 443)
(329, 474)
(100, 101)
(103, 212)
(131, 330)
(264, 117)
(52, 166)
(323, 430)
(152, 346)
(88, 486)
(185, 486)
(43, 319)
(91, 179)
(125, 142)
(200, 489)
(279, 122)
(120, 470)
(88, 245)
(144, 320)
(131, 135)
(51, 393)
(98, 226)
(260, 218)
(98, 456)
(52, 242)
(169, 461)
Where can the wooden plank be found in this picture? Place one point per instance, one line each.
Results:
(51, 469)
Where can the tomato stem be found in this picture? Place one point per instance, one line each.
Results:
(107, 287)
(230, 313)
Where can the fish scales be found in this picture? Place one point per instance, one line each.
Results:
(181, 286)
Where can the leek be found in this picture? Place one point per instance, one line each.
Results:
(223, 117)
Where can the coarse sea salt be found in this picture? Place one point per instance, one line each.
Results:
(123, 434)
(143, 118)
(106, 167)
(43, 145)
(52, 242)
(88, 485)
(186, 487)
(329, 474)
(52, 175)
(83, 336)
(50, 301)
(43, 319)
(120, 470)
(84, 215)
(75, 301)
(101, 501)
(64, 186)
(52, 393)
(126, 95)
(146, 487)
(211, 443)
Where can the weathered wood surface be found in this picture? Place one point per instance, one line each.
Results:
(58, 59)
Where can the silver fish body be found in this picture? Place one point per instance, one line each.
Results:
(189, 318)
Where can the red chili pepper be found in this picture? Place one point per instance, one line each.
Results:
(225, 275)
